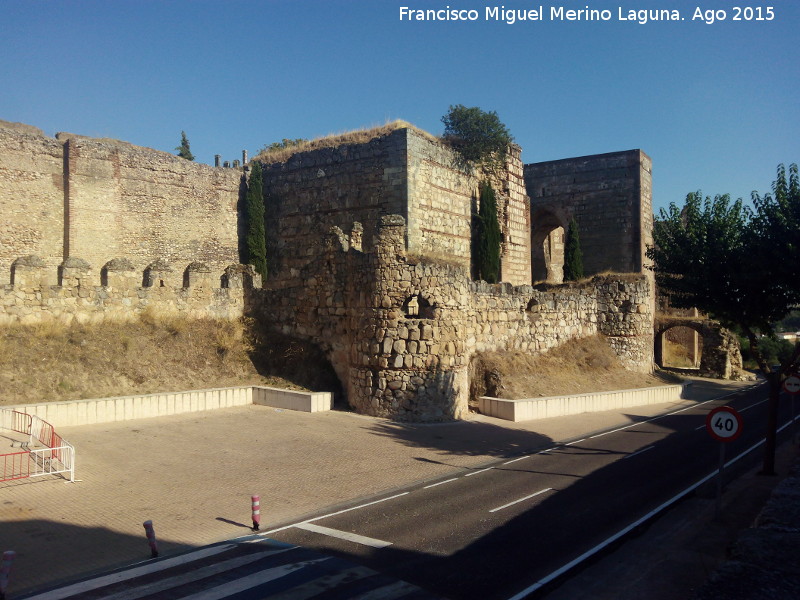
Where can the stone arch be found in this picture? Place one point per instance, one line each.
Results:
(721, 356)
(547, 245)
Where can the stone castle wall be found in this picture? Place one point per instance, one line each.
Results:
(400, 331)
(31, 197)
(117, 293)
(610, 197)
(100, 199)
(405, 172)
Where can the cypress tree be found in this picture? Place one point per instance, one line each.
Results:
(183, 149)
(487, 237)
(255, 238)
(573, 255)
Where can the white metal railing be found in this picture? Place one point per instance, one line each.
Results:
(56, 457)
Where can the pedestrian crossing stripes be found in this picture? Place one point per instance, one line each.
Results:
(249, 568)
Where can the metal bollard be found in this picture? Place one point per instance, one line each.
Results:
(5, 569)
(255, 504)
(151, 538)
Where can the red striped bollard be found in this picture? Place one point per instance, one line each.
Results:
(151, 538)
(5, 569)
(255, 504)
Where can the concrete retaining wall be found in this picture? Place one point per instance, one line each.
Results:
(561, 406)
(107, 410)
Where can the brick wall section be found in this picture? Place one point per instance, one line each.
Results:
(31, 196)
(610, 197)
(146, 205)
(412, 364)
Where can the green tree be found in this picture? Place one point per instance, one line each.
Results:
(255, 237)
(573, 255)
(183, 149)
(739, 266)
(487, 237)
(479, 137)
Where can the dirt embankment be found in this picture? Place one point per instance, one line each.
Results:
(576, 367)
(50, 362)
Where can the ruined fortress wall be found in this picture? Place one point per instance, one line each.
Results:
(405, 172)
(80, 298)
(400, 331)
(31, 196)
(441, 198)
(142, 204)
(104, 199)
(610, 197)
(331, 186)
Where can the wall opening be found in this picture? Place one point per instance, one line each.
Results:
(547, 248)
(417, 307)
(679, 347)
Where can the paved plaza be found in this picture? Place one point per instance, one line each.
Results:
(193, 476)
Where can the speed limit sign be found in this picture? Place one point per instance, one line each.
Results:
(724, 424)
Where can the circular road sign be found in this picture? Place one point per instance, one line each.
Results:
(791, 384)
(724, 424)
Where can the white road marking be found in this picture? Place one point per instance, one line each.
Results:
(245, 583)
(520, 500)
(675, 412)
(147, 568)
(575, 442)
(344, 535)
(476, 472)
(515, 460)
(440, 483)
(339, 512)
(639, 452)
(560, 571)
(161, 585)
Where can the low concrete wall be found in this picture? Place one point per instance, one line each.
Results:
(107, 410)
(561, 406)
(292, 399)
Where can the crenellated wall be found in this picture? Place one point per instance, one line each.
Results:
(369, 247)
(119, 292)
(99, 199)
(400, 332)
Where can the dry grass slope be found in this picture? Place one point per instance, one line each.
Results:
(51, 362)
(357, 136)
(576, 367)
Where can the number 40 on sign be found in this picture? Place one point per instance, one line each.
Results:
(724, 424)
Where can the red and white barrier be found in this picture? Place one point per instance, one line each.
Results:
(255, 505)
(151, 538)
(56, 456)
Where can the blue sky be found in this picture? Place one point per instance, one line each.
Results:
(714, 105)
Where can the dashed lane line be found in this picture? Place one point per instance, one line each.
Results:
(520, 500)
(441, 483)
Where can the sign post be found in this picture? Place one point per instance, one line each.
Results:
(724, 424)
(791, 385)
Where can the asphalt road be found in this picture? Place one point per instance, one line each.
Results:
(494, 532)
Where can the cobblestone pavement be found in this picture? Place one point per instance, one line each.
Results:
(193, 476)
